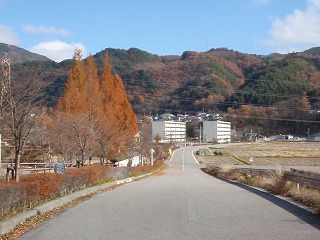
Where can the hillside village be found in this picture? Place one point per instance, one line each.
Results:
(201, 133)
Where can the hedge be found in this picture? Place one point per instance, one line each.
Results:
(36, 188)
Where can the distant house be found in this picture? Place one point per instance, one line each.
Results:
(314, 137)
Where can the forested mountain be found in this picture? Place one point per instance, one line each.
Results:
(19, 55)
(270, 94)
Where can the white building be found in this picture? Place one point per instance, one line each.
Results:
(170, 131)
(216, 131)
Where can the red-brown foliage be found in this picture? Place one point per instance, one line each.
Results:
(12, 196)
(43, 186)
(92, 173)
(49, 183)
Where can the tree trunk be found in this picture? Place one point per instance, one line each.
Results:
(102, 155)
(17, 167)
(83, 157)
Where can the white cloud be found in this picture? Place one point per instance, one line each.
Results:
(57, 50)
(41, 29)
(7, 35)
(298, 31)
(315, 3)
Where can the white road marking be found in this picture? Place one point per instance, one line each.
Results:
(183, 160)
(195, 159)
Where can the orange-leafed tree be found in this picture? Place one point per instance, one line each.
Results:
(304, 102)
(92, 90)
(106, 84)
(124, 112)
(74, 100)
(81, 103)
(117, 107)
(101, 118)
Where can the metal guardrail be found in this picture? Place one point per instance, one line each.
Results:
(306, 178)
(27, 168)
(257, 172)
(303, 177)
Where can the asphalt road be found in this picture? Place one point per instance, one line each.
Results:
(183, 203)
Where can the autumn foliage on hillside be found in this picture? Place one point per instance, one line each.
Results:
(94, 116)
(212, 81)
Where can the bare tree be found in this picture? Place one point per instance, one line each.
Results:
(38, 139)
(59, 134)
(18, 105)
(105, 135)
(145, 139)
(84, 137)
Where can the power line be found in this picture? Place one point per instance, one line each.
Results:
(191, 100)
(218, 90)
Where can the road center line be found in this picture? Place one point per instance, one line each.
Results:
(183, 160)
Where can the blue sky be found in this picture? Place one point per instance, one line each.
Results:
(54, 28)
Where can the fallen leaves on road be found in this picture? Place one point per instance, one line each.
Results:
(35, 221)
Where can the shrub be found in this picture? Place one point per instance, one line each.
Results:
(308, 196)
(48, 183)
(38, 187)
(218, 152)
(13, 197)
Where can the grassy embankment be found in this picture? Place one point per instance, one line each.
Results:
(274, 154)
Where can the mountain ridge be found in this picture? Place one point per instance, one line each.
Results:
(20, 55)
(218, 80)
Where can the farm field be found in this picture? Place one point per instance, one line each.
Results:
(262, 154)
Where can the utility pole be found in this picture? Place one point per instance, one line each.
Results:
(6, 76)
(0, 150)
(200, 136)
(5, 87)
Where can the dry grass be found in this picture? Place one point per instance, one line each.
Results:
(277, 154)
(225, 168)
(307, 196)
(267, 153)
(274, 184)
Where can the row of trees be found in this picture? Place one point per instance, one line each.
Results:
(92, 118)
(293, 116)
(95, 112)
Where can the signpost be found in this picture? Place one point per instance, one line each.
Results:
(59, 168)
(151, 156)
(0, 150)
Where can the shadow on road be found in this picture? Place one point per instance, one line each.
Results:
(303, 214)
